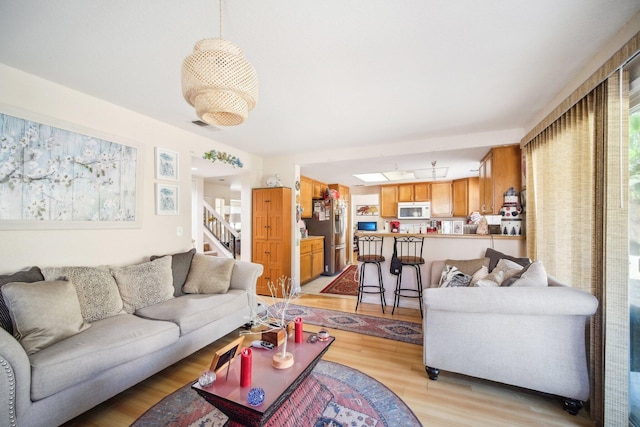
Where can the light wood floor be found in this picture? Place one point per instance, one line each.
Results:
(453, 400)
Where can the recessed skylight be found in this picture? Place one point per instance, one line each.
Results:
(399, 175)
(371, 177)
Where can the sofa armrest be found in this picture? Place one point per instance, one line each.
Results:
(554, 300)
(245, 277)
(15, 379)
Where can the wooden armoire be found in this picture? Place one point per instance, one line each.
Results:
(271, 243)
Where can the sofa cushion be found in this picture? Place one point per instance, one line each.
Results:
(144, 284)
(209, 275)
(495, 256)
(193, 311)
(31, 275)
(108, 343)
(468, 266)
(97, 290)
(180, 265)
(43, 313)
(534, 275)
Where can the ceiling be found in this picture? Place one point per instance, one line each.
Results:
(372, 76)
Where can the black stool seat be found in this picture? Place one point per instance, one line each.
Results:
(408, 249)
(370, 253)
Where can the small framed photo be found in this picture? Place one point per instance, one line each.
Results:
(223, 357)
(458, 227)
(446, 227)
(167, 199)
(166, 164)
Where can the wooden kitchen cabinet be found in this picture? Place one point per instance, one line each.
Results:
(306, 197)
(389, 201)
(466, 196)
(405, 192)
(319, 189)
(271, 235)
(311, 258)
(441, 199)
(499, 170)
(421, 192)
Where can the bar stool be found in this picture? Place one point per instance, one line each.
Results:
(370, 252)
(408, 249)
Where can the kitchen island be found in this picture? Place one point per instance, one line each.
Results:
(436, 247)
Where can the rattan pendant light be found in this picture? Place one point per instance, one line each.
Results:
(219, 82)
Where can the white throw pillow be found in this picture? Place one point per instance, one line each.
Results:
(209, 275)
(43, 313)
(479, 275)
(145, 284)
(494, 279)
(534, 276)
(97, 290)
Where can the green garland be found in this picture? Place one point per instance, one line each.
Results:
(214, 155)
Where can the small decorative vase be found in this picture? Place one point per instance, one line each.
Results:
(282, 362)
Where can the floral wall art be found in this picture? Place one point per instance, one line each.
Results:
(48, 174)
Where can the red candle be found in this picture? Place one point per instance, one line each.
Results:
(298, 323)
(245, 367)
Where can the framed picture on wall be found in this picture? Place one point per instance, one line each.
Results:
(167, 199)
(166, 164)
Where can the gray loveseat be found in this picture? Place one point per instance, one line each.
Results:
(531, 336)
(131, 328)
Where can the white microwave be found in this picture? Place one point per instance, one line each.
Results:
(414, 210)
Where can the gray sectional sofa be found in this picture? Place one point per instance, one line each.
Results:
(110, 328)
(528, 332)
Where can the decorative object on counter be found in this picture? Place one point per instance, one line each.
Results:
(255, 396)
(395, 226)
(219, 82)
(222, 157)
(207, 378)
(511, 223)
(483, 226)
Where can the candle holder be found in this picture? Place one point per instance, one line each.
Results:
(282, 360)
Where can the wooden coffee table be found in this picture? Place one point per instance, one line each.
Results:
(278, 384)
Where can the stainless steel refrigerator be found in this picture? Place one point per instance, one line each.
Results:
(330, 220)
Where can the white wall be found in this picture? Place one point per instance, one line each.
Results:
(30, 97)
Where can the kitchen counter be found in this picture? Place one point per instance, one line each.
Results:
(436, 247)
(312, 237)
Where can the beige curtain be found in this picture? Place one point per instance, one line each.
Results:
(576, 225)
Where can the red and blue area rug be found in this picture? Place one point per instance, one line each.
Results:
(397, 330)
(354, 400)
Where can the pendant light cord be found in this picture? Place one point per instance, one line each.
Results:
(220, 10)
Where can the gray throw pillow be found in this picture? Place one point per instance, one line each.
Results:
(27, 276)
(97, 290)
(144, 284)
(209, 275)
(43, 313)
(180, 265)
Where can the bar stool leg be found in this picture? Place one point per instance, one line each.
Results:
(419, 286)
(396, 297)
(360, 284)
(383, 302)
